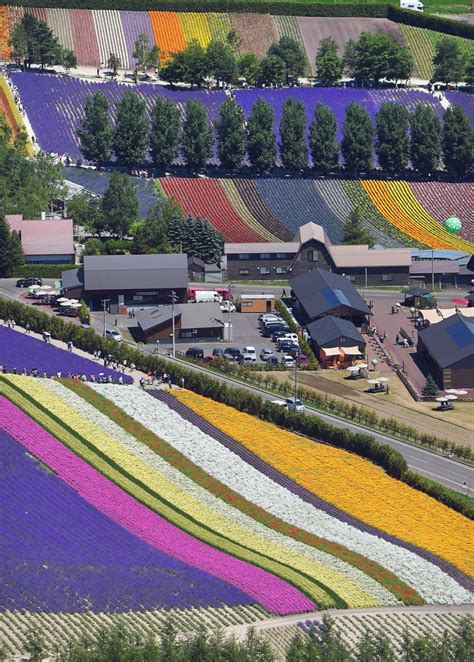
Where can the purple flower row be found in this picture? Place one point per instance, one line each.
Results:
(20, 351)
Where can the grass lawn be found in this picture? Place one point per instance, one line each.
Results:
(456, 425)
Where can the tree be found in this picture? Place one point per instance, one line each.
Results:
(230, 130)
(34, 645)
(131, 130)
(120, 205)
(448, 61)
(392, 137)
(457, 142)
(187, 66)
(293, 149)
(151, 234)
(114, 63)
(400, 63)
(377, 55)
(33, 42)
(197, 136)
(354, 232)
(430, 389)
(469, 73)
(96, 133)
(350, 58)
(357, 144)
(425, 139)
(328, 62)
(85, 210)
(292, 54)
(141, 51)
(261, 143)
(11, 252)
(69, 59)
(92, 247)
(221, 62)
(322, 139)
(164, 133)
(196, 237)
(248, 67)
(271, 71)
(234, 39)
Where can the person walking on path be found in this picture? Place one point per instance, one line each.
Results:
(169, 382)
(397, 339)
(181, 382)
(69, 345)
(28, 328)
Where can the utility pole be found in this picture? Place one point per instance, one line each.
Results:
(174, 299)
(432, 270)
(296, 379)
(104, 305)
(229, 301)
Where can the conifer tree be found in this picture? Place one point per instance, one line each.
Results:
(293, 149)
(322, 139)
(261, 144)
(197, 136)
(96, 132)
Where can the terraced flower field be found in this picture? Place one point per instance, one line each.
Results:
(10, 111)
(179, 516)
(115, 31)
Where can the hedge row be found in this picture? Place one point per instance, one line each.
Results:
(431, 22)
(42, 270)
(239, 6)
(312, 426)
(304, 344)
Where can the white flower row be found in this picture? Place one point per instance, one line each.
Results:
(155, 461)
(435, 586)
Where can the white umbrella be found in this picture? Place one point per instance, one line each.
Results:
(451, 397)
(461, 391)
(383, 379)
(451, 390)
(65, 303)
(33, 288)
(73, 300)
(61, 300)
(442, 399)
(353, 368)
(46, 287)
(373, 381)
(361, 366)
(40, 293)
(75, 305)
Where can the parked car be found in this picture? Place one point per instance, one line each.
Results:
(211, 358)
(28, 282)
(112, 334)
(268, 329)
(279, 403)
(289, 336)
(295, 404)
(273, 359)
(228, 306)
(294, 350)
(232, 353)
(288, 361)
(278, 334)
(194, 353)
(218, 352)
(284, 345)
(266, 353)
(250, 351)
(206, 296)
(268, 317)
(246, 359)
(302, 360)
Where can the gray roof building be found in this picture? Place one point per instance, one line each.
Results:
(319, 292)
(450, 341)
(333, 331)
(150, 318)
(72, 278)
(135, 272)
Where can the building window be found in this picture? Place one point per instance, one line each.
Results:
(265, 270)
(137, 297)
(265, 256)
(246, 304)
(244, 272)
(387, 278)
(313, 256)
(244, 256)
(282, 270)
(282, 256)
(186, 334)
(352, 279)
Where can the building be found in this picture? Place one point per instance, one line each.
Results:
(335, 341)
(448, 349)
(312, 248)
(257, 303)
(318, 293)
(193, 321)
(441, 267)
(44, 241)
(128, 280)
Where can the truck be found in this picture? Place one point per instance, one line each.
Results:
(207, 296)
(414, 5)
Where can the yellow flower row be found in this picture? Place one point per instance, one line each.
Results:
(152, 479)
(351, 483)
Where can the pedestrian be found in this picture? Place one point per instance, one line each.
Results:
(384, 335)
(405, 342)
(27, 327)
(181, 382)
(387, 390)
(169, 382)
(69, 345)
(397, 339)
(132, 367)
(283, 294)
(99, 352)
(120, 380)
(142, 382)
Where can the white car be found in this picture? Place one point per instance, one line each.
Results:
(295, 404)
(280, 403)
(228, 306)
(288, 361)
(112, 334)
(288, 336)
(250, 352)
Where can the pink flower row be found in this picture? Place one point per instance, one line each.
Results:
(271, 592)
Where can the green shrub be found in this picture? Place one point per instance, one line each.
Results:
(304, 344)
(307, 424)
(431, 22)
(42, 270)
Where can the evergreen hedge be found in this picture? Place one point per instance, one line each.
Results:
(42, 270)
(431, 22)
(377, 10)
(309, 425)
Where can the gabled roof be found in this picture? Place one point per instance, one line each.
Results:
(51, 237)
(311, 231)
(263, 247)
(450, 340)
(329, 329)
(320, 292)
(417, 292)
(193, 316)
(150, 318)
(131, 272)
(72, 278)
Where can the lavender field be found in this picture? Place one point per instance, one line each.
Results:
(55, 104)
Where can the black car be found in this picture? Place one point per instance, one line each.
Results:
(28, 282)
(271, 328)
(218, 351)
(195, 353)
(278, 334)
(232, 353)
(285, 346)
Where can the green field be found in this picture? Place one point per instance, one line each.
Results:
(422, 44)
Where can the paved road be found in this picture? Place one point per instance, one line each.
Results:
(448, 472)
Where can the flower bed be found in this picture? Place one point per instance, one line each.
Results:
(60, 553)
(346, 480)
(430, 582)
(263, 587)
(20, 351)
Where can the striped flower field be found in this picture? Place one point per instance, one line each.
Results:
(93, 35)
(184, 514)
